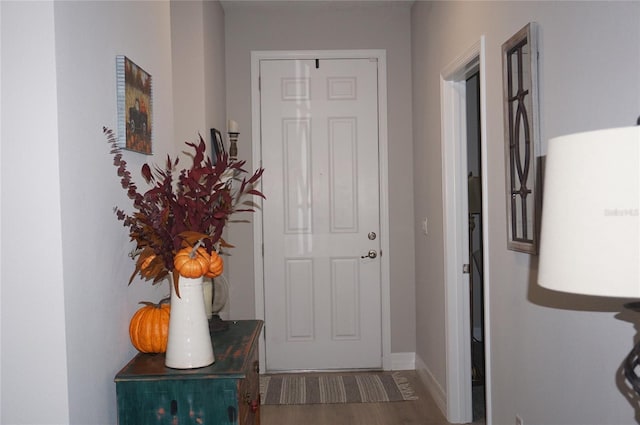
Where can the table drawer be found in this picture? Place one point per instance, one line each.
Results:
(184, 401)
(249, 392)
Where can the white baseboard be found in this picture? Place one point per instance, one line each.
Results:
(403, 361)
(434, 388)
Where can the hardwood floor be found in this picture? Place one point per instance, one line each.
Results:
(423, 411)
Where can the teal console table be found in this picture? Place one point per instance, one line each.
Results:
(226, 392)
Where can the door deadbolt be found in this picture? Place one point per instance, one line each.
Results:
(372, 236)
(371, 254)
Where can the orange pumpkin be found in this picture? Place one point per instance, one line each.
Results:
(191, 263)
(216, 265)
(149, 327)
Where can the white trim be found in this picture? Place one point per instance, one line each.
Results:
(458, 346)
(454, 190)
(486, 281)
(385, 276)
(432, 385)
(258, 264)
(403, 361)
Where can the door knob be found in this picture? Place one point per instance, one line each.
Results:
(371, 254)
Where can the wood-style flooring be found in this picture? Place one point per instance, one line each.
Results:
(423, 411)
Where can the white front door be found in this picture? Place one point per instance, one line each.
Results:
(319, 132)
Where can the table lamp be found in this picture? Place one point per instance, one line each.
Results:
(590, 235)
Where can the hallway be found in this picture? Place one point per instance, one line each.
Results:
(422, 411)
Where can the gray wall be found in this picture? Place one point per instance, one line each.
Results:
(32, 300)
(65, 317)
(323, 26)
(94, 257)
(554, 357)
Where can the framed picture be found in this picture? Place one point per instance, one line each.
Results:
(135, 107)
(217, 145)
(521, 132)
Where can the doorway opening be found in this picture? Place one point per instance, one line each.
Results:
(465, 234)
(476, 275)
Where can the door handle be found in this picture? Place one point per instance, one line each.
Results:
(371, 254)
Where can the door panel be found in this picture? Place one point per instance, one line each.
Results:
(319, 132)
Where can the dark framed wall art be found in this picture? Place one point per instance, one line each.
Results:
(521, 121)
(135, 106)
(217, 145)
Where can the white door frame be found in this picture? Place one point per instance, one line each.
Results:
(258, 260)
(456, 239)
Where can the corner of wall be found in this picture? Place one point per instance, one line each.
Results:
(435, 389)
(403, 361)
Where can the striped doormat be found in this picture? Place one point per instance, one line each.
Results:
(335, 388)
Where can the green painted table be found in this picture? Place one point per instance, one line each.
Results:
(226, 392)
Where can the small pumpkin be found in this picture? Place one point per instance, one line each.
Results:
(149, 327)
(192, 263)
(216, 265)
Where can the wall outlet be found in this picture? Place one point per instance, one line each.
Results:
(519, 420)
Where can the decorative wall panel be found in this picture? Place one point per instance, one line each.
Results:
(520, 82)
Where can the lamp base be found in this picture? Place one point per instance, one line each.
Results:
(632, 361)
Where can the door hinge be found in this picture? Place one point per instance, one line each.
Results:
(259, 83)
(466, 268)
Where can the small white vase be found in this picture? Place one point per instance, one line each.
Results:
(189, 345)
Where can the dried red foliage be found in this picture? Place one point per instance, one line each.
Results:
(181, 209)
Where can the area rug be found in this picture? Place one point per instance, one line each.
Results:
(335, 388)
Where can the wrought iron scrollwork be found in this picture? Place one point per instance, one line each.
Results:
(521, 120)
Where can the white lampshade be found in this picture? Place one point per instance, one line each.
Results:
(590, 235)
